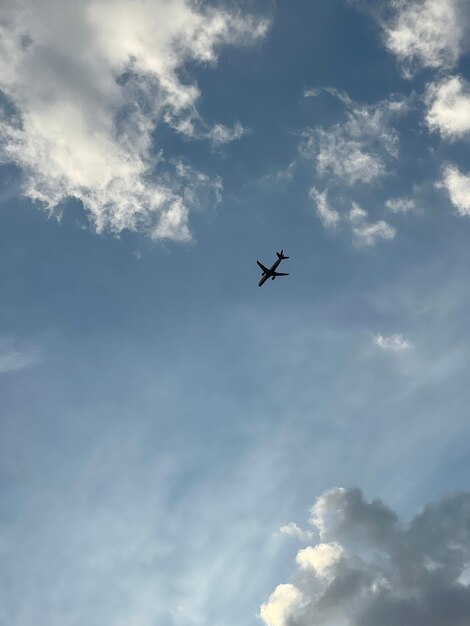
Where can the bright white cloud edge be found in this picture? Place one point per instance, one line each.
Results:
(457, 186)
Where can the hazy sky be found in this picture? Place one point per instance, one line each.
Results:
(177, 446)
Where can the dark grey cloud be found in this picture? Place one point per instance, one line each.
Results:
(370, 568)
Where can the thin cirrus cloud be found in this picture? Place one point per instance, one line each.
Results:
(429, 33)
(370, 568)
(14, 357)
(400, 205)
(358, 149)
(365, 233)
(221, 134)
(355, 151)
(448, 107)
(89, 84)
(368, 233)
(329, 217)
(392, 343)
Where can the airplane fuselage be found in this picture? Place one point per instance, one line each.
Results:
(270, 272)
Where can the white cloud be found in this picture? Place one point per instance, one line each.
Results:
(427, 33)
(14, 357)
(340, 94)
(221, 134)
(320, 558)
(283, 176)
(400, 205)
(377, 570)
(330, 217)
(448, 102)
(293, 530)
(458, 188)
(358, 149)
(90, 83)
(394, 343)
(368, 233)
(283, 603)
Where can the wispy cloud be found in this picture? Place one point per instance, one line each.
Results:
(400, 205)
(14, 357)
(358, 149)
(91, 83)
(368, 233)
(330, 217)
(370, 569)
(221, 134)
(392, 343)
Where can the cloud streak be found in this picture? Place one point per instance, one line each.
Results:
(14, 357)
(329, 217)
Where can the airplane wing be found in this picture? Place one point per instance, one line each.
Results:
(265, 269)
(281, 274)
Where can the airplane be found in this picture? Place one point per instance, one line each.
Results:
(271, 271)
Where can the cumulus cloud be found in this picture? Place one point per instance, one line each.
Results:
(358, 149)
(330, 217)
(393, 343)
(293, 530)
(89, 85)
(283, 604)
(320, 558)
(368, 233)
(458, 188)
(448, 107)
(370, 568)
(427, 33)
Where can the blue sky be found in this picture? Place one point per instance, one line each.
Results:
(162, 418)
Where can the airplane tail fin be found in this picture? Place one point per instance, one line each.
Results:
(280, 255)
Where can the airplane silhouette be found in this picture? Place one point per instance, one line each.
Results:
(271, 271)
